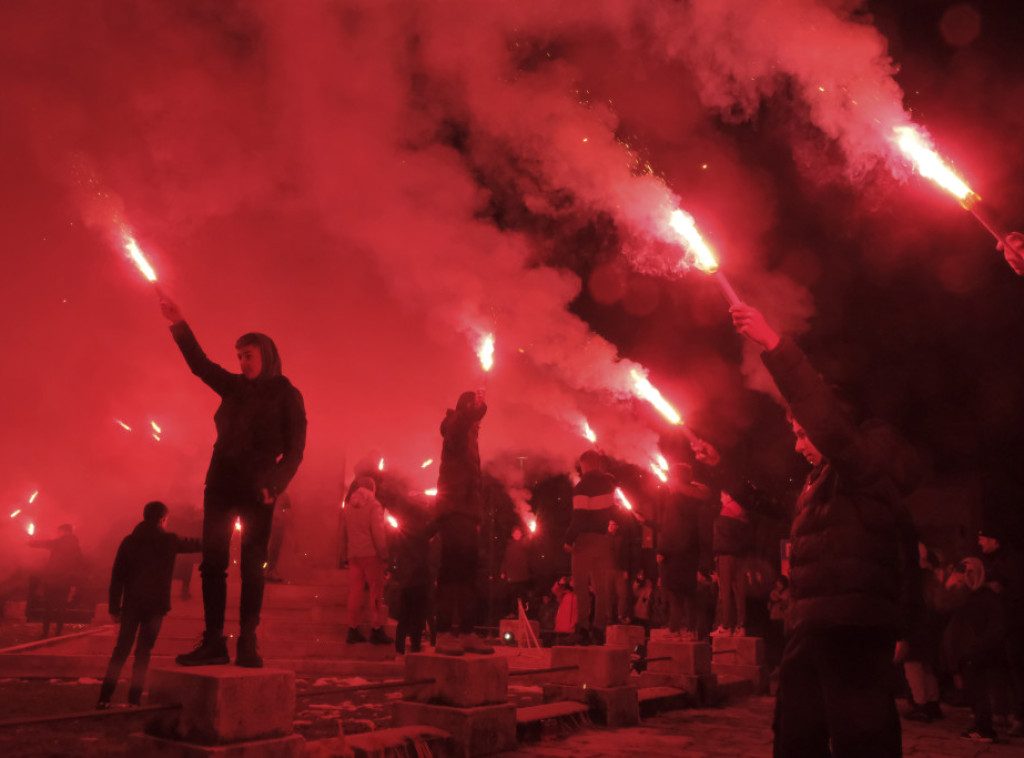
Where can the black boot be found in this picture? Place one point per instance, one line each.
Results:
(134, 696)
(379, 637)
(247, 653)
(355, 637)
(212, 650)
(106, 692)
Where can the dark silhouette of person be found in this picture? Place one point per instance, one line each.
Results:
(261, 435)
(63, 572)
(460, 511)
(854, 580)
(140, 596)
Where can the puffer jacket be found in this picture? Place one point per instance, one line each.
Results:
(362, 527)
(854, 547)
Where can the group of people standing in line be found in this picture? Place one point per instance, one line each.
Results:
(855, 582)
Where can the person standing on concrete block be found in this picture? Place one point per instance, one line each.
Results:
(733, 544)
(590, 544)
(459, 514)
(140, 596)
(853, 566)
(261, 436)
(679, 549)
(364, 547)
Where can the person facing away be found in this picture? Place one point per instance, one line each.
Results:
(364, 547)
(459, 514)
(679, 549)
(261, 436)
(140, 596)
(63, 571)
(733, 544)
(853, 566)
(590, 544)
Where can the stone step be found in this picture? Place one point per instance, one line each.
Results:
(167, 645)
(384, 743)
(48, 666)
(533, 713)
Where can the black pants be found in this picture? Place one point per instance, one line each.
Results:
(55, 605)
(147, 628)
(980, 681)
(220, 509)
(412, 616)
(457, 595)
(835, 685)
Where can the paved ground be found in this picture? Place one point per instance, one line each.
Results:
(743, 730)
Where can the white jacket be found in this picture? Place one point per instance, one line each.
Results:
(362, 527)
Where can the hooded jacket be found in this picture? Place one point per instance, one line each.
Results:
(261, 422)
(854, 559)
(362, 527)
(459, 479)
(140, 581)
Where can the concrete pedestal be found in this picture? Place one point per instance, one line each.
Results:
(222, 704)
(597, 666)
(700, 689)
(615, 706)
(483, 730)
(464, 681)
(622, 635)
(738, 651)
(688, 658)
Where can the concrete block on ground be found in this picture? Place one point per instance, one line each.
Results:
(511, 627)
(687, 658)
(756, 675)
(614, 706)
(483, 730)
(598, 666)
(742, 651)
(624, 635)
(222, 704)
(464, 681)
(291, 746)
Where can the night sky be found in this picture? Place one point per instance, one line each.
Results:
(379, 184)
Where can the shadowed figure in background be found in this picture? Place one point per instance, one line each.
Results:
(679, 549)
(588, 541)
(140, 596)
(460, 512)
(853, 567)
(64, 571)
(261, 435)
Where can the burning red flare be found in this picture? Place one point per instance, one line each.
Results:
(914, 145)
(623, 500)
(137, 256)
(649, 392)
(432, 492)
(122, 425)
(16, 513)
(380, 466)
(684, 225)
(658, 472)
(391, 520)
(32, 497)
(532, 526)
(238, 524)
(486, 352)
(426, 463)
(31, 529)
(589, 433)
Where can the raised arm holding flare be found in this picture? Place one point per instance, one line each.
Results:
(853, 565)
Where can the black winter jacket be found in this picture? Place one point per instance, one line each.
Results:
(854, 547)
(459, 479)
(261, 423)
(140, 581)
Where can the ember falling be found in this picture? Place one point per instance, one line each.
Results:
(506, 172)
